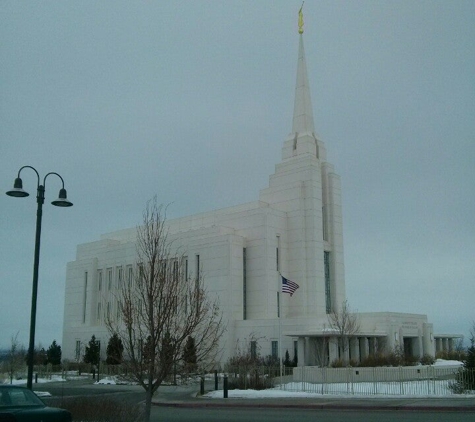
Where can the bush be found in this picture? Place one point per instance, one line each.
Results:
(254, 379)
(427, 360)
(378, 359)
(394, 358)
(99, 409)
(411, 360)
(338, 363)
(465, 379)
(460, 355)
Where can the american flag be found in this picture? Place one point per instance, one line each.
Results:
(289, 286)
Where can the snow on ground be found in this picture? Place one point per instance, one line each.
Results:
(107, 381)
(443, 362)
(294, 390)
(422, 388)
(42, 393)
(52, 378)
(260, 394)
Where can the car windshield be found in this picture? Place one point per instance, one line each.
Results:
(18, 397)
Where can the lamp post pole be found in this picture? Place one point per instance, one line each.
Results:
(62, 201)
(40, 199)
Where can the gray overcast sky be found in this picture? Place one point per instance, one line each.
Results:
(192, 101)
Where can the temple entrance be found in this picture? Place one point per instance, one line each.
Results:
(408, 350)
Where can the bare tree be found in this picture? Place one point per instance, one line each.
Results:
(345, 325)
(16, 357)
(161, 307)
(320, 348)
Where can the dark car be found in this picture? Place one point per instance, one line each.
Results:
(18, 404)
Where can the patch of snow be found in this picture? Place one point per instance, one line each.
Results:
(443, 362)
(106, 381)
(53, 378)
(42, 393)
(259, 394)
(425, 388)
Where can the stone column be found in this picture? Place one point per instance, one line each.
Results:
(438, 345)
(428, 339)
(451, 344)
(391, 338)
(445, 344)
(372, 345)
(364, 347)
(418, 346)
(307, 351)
(355, 349)
(301, 351)
(333, 349)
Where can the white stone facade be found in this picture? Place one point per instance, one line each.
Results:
(295, 227)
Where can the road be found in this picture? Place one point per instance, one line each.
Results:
(198, 412)
(171, 414)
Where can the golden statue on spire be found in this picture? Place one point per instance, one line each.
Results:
(301, 19)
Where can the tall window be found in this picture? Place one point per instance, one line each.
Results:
(185, 274)
(109, 278)
(99, 280)
(175, 270)
(129, 275)
(119, 277)
(275, 349)
(324, 223)
(84, 299)
(197, 271)
(99, 310)
(78, 350)
(244, 281)
(253, 349)
(328, 299)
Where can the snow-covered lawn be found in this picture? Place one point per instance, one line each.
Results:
(409, 389)
(52, 378)
(415, 388)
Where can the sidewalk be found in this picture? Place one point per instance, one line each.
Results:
(187, 399)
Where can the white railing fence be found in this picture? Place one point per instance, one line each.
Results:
(412, 380)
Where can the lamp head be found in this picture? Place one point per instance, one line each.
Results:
(62, 200)
(17, 190)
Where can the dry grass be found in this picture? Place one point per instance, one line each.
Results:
(99, 409)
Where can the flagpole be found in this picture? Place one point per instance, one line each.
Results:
(280, 340)
(279, 307)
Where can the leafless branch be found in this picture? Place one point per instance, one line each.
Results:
(162, 307)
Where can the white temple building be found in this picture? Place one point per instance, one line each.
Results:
(294, 228)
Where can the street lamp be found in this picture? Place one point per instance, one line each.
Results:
(62, 201)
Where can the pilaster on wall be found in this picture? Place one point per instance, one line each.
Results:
(333, 221)
(428, 343)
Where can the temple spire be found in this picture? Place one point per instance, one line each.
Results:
(303, 112)
(301, 19)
